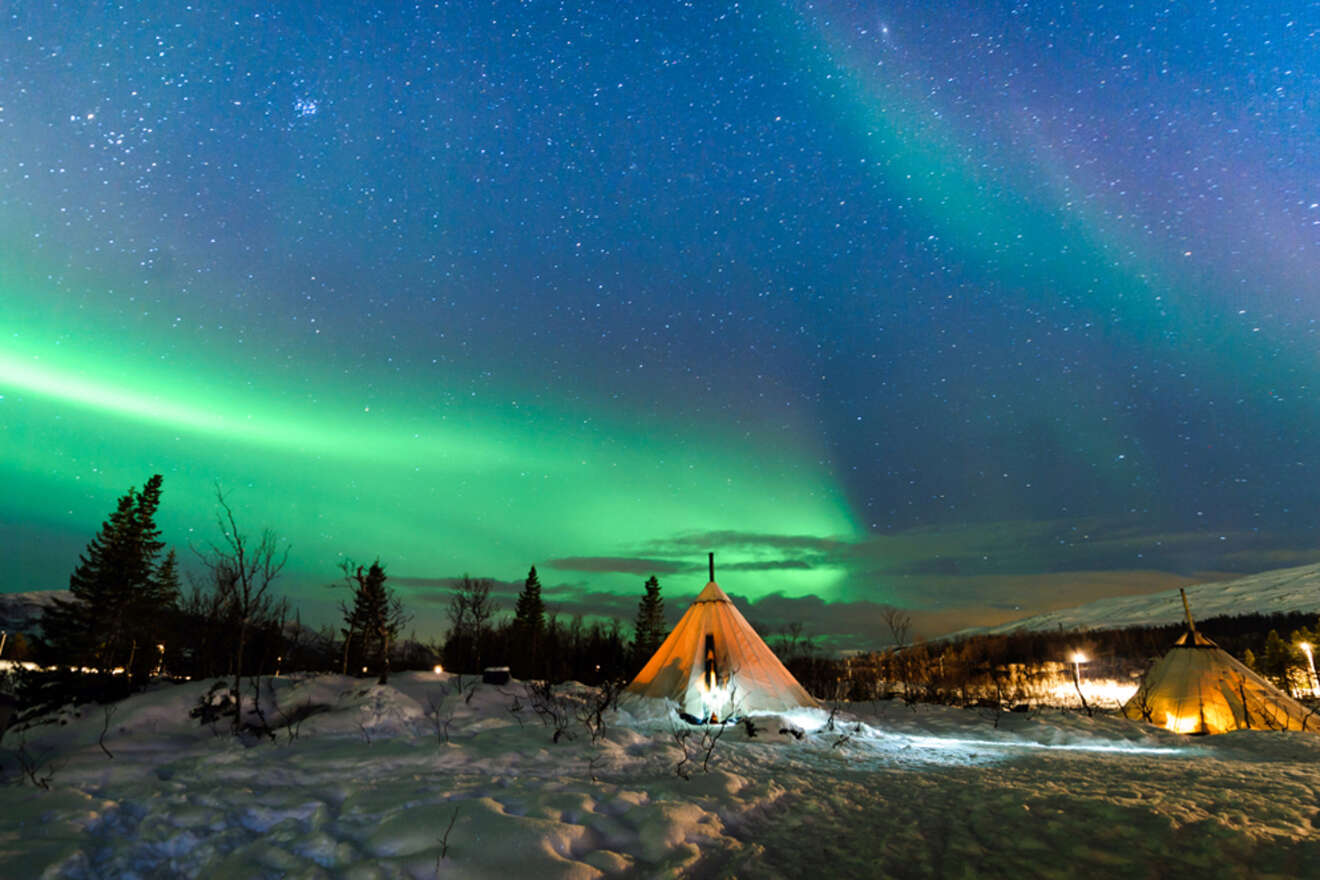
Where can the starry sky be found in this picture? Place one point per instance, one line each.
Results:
(975, 309)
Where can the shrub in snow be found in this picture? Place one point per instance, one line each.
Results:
(598, 703)
(213, 706)
(550, 707)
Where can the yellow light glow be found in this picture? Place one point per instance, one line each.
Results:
(1078, 657)
(438, 669)
(1181, 723)
(1105, 691)
(1311, 682)
(717, 701)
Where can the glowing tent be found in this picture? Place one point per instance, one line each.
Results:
(1199, 688)
(715, 666)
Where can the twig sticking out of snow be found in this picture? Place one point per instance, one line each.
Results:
(681, 737)
(109, 710)
(710, 737)
(38, 768)
(444, 841)
(440, 720)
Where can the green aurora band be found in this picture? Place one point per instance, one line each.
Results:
(1019, 224)
(433, 487)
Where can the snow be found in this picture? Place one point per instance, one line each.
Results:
(370, 784)
(1271, 592)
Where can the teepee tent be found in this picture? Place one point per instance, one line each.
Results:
(715, 666)
(1199, 688)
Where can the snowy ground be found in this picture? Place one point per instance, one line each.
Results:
(369, 788)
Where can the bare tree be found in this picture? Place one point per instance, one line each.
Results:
(437, 714)
(470, 611)
(243, 570)
(899, 623)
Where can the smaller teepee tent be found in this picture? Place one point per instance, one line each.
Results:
(1199, 688)
(715, 666)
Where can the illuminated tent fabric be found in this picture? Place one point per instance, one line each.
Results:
(715, 665)
(1199, 688)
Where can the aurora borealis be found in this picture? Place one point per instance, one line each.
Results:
(977, 309)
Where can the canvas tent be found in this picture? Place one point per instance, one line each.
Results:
(715, 666)
(1199, 688)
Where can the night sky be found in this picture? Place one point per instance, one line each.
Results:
(976, 309)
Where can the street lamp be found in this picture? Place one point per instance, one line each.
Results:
(1078, 658)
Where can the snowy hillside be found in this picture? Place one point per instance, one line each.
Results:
(1270, 592)
(20, 612)
(420, 779)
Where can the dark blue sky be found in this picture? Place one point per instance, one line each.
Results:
(959, 293)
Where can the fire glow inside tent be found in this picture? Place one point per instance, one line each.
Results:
(715, 666)
(1200, 688)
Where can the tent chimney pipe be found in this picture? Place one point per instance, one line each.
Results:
(1187, 609)
(712, 565)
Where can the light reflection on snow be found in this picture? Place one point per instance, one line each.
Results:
(937, 742)
(807, 722)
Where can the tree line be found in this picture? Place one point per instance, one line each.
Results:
(130, 620)
(1019, 667)
(536, 643)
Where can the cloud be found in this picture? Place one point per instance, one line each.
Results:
(947, 579)
(700, 542)
(769, 565)
(620, 565)
(437, 590)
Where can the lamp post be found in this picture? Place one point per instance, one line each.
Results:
(1078, 658)
(1310, 661)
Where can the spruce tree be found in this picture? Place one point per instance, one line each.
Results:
(376, 618)
(528, 624)
(155, 581)
(1276, 658)
(164, 585)
(529, 613)
(650, 630)
(121, 592)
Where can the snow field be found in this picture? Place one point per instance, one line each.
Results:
(369, 787)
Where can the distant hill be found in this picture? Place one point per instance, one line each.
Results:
(1271, 592)
(20, 612)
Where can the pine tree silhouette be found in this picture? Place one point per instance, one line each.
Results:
(123, 593)
(376, 617)
(650, 629)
